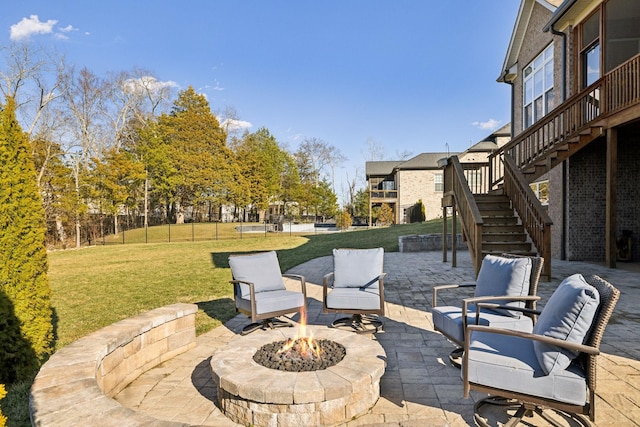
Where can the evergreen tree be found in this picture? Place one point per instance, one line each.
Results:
(26, 331)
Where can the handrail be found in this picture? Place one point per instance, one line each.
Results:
(533, 215)
(617, 90)
(470, 218)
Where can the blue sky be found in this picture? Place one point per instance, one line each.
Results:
(411, 75)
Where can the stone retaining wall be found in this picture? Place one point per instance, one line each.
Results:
(76, 385)
(428, 242)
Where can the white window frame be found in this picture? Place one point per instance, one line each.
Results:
(537, 88)
(438, 180)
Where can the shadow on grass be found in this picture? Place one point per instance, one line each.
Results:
(221, 309)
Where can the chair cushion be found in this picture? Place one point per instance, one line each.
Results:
(261, 269)
(272, 301)
(448, 320)
(354, 298)
(510, 363)
(354, 268)
(567, 316)
(500, 276)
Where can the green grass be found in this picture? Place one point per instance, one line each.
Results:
(96, 286)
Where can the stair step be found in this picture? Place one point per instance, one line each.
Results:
(502, 228)
(496, 213)
(501, 205)
(506, 246)
(499, 220)
(504, 237)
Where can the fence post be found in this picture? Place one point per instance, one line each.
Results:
(193, 237)
(123, 235)
(146, 233)
(216, 231)
(169, 232)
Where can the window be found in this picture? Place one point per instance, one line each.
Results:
(538, 93)
(541, 190)
(590, 49)
(437, 179)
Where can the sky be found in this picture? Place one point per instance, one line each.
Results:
(405, 76)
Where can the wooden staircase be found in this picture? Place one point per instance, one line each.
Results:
(502, 231)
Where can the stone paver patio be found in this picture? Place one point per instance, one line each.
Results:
(419, 387)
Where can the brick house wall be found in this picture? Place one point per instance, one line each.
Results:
(414, 185)
(535, 42)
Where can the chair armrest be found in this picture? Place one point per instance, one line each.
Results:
(436, 289)
(236, 288)
(378, 279)
(326, 279)
(301, 279)
(484, 302)
(505, 307)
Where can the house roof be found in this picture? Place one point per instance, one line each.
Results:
(380, 168)
(566, 14)
(424, 161)
(419, 162)
(509, 70)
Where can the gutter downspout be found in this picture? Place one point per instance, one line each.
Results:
(563, 82)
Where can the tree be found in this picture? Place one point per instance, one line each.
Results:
(196, 147)
(263, 164)
(26, 331)
(343, 220)
(385, 215)
(314, 157)
(361, 204)
(326, 199)
(115, 180)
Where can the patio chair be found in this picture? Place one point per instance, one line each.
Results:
(554, 367)
(355, 287)
(260, 293)
(507, 279)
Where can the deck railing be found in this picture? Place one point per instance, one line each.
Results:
(455, 183)
(617, 90)
(533, 215)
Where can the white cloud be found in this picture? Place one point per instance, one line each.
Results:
(491, 124)
(148, 83)
(234, 124)
(30, 26)
(68, 29)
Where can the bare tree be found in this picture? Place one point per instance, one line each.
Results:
(374, 150)
(314, 157)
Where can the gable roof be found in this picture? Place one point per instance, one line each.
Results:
(380, 168)
(509, 70)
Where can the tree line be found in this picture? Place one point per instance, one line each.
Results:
(127, 147)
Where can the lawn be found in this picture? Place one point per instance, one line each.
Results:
(96, 286)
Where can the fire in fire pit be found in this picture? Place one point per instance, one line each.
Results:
(300, 354)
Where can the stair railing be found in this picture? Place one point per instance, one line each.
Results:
(618, 90)
(455, 184)
(533, 215)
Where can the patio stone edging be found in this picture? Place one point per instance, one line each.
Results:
(76, 385)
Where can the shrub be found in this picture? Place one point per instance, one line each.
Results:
(386, 215)
(343, 220)
(3, 419)
(26, 331)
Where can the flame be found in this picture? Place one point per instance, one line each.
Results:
(302, 345)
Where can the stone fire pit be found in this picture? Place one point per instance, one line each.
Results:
(251, 394)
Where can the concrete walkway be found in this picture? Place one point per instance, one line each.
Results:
(419, 387)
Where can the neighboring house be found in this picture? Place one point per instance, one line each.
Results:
(574, 70)
(401, 184)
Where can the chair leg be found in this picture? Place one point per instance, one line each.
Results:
(362, 324)
(265, 324)
(523, 410)
(455, 357)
